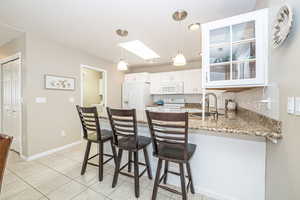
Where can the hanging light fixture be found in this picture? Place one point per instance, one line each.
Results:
(122, 64)
(179, 59)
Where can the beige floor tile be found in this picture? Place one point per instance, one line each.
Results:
(147, 194)
(67, 191)
(125, 192)
(47, 182)
(90, 195)
(89, 177)
(190, 197)
(27, 194)
(62, 164)
(9, 177)
(26, 169)
(12, 189)
(104, 187)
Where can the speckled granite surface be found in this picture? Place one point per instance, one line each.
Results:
(242, 123)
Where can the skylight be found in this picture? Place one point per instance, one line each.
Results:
(140, 49)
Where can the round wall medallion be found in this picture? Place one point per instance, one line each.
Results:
(179, 15)
(282, 25)
(122, 33)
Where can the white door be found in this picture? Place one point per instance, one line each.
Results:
(11, 103)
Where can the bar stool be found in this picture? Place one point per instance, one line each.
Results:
(169, 133)
(125, 136)
(93, 134)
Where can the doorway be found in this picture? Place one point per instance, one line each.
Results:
(93, 88)
(11, 100)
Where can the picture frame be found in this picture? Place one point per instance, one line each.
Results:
(55, 82)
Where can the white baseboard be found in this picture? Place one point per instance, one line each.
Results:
(39, 155)
(214, 195)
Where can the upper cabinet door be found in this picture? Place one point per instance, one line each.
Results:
(235, 51)
(192, 81)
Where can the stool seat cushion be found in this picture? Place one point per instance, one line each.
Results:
(128, 143)
(105, 135)
(175, 152)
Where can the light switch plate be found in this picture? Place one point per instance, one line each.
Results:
(297, 106)
(41, 100)
(291, 105)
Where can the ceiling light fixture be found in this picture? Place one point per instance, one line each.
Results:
(122, 65)
(179, 59)
(194, 27)
(140, 49)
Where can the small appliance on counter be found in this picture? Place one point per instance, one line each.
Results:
(159, 103)
(230, 105)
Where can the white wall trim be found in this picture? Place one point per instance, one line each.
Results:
(39, 155)
(81, 82)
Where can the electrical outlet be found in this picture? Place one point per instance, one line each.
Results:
(63, 133)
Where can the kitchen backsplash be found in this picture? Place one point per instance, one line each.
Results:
(197, 98)
(257, 100)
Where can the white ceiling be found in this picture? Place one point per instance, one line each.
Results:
(90, 25)
(7, 34)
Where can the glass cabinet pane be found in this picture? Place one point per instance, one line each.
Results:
(243, 51)
(220, 35)
(244, 70)
(219, 54)
(243, 31)
(219, 72)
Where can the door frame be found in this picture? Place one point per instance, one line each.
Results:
(3, 61)
(81, 82)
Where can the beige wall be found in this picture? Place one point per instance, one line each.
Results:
(283, 159)
(91, 87)
(46, 121)
(165, 68)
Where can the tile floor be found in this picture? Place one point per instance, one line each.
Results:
(57, 177)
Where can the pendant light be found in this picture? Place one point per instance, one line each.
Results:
(179, 59)
(122, 64)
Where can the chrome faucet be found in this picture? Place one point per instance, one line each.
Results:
(215, 112)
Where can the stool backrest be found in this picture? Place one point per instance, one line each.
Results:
(123, 123)
(89, 121)
(5, 142)
(168, 129)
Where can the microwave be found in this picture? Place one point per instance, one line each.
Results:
(171, 87)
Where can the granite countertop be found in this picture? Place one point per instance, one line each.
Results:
(236, 124)
(240, 123)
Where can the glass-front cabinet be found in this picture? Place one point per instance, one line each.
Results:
(235, 51)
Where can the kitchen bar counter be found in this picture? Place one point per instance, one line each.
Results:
(241, 123)
(238, 158)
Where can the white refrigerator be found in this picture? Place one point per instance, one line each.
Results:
(136, 95)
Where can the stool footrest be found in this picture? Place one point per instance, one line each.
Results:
(169, 189)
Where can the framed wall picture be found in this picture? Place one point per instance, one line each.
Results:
(53, 82)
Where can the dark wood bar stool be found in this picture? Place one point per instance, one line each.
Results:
(169, 133)
(93, 134)
(125, 134)
(5, 142)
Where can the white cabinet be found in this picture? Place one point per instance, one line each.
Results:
(155, 80)
(137, 77)
(192, 81)
(235, 51)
